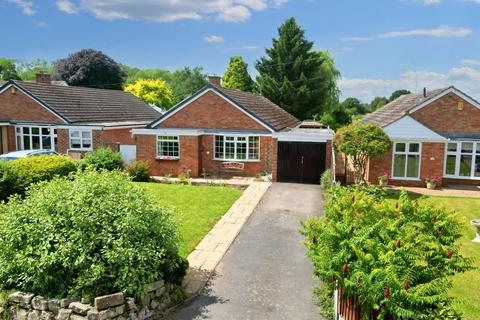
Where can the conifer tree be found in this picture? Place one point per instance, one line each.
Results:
(236, 76)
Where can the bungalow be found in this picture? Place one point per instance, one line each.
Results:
(225, 132)
(70, 120)
(434, 133)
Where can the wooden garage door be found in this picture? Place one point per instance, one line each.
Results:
(301, 161)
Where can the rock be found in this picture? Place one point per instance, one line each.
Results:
(79, 308)
(131, 305)
(40, 303)
(108, 301)
(132, 316)
(146, 300)
(64, 303)
(111, 313)
(34, 315)
(20, 314)
(159, 292)
(54, 305)
(64, 314)
(22, 298)
(154, 304)
(77, 317)
(47, 315)
(92, 315)
(144, 314)
(155, 286)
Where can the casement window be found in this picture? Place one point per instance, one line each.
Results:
(35, 138)
(462, 160)
(237, 148)
(81, 139)
(168, 147)
(406, 160)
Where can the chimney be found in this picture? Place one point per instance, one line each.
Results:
(44, 78)
(424, 92)
(215, 80)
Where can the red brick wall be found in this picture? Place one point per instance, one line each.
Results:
(99, 140)
(442, 115)
(118, 136)
(19, 106)
(212, 112)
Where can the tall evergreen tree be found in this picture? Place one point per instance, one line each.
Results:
(236, 76)
(291, 73)
(8, 70)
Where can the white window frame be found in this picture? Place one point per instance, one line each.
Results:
(159, 140)
(21, 135)
(80, 137)
(406, 153)
(235, 141)
(458, 153)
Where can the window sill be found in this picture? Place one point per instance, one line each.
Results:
(461, 178)
(405, 179)
(80, 150)
(167, 158)
(233, 160)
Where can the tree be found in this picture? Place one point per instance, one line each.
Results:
(134, 74)
(29, 69)
(359, 143)
(377, 103)
(155, 92)
(90, 68)
(337, 117)
(186, 82)
(354, 106)
(237, 77)
(8, 70)
(291, 74)
(398, 93)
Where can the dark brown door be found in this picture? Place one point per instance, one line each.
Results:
(301, 161)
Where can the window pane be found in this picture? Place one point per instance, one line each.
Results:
(19, 143)
(86, 134)
(465, 165)
(75, 144)
(241, 150)
(414, 147)
(241, 138)
(229, 138)
(219, 147)
(452, 147)
(75, 134)
(399, 165)
(413, 165)
(87, 143)
(478, 148)
(26, 142)
(35, 142)
(451, 164)
(46, 142)
(26, 130)
(467, 147)
(230, 150)
(400, 147)
(45, 131)
(476, 171)
(253, 145)
(35, 130)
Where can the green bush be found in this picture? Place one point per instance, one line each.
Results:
(326, 180)
(10, 181)
(43, 168)
(397, 260)
(103, 159)
(91, 235)
(138, 171)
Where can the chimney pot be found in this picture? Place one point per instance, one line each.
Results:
(424, 92)
(215, 80)
(44, 78)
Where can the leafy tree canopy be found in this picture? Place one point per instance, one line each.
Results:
(90, 68)
(354, 106)
(29, 69)
(155, 92)
(377, 103)
(8, 70)
(398, 93)
(186, 82)
(337, 117)
(237, 77)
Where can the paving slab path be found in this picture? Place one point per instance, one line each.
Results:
(265, 273)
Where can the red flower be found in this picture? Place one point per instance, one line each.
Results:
(345, 268)
(406, 285)
(450, 254)
(387, 293)
(398, 243)
(314, 240)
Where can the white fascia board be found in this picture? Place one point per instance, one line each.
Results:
(303, 137)
(79, 127)
(409, 129)
(444, 93)
(190, 100)
(168, 131)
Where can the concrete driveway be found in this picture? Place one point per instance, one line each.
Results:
(265, 273)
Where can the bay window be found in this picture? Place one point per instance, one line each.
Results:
(80, 139)
(35, 138)
(168, 147)
(462, 160)
(406, 160)
(237, 148)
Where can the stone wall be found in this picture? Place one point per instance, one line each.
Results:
(153, 305)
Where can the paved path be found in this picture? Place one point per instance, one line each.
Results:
(264, 274)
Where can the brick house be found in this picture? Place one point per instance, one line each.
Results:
(435, 133)
(69, 120)
(223, 132)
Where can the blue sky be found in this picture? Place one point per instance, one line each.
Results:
(378, 45)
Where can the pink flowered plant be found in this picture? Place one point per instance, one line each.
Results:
(384, 176)
(433, 179)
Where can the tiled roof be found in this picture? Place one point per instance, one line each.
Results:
(399, 107)
(262, 108)
(89, 105)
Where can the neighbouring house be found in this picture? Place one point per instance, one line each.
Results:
(69, 120)
(221, 132)
(434, 133)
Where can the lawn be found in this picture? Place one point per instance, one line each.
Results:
(197, 208)
(465, 285)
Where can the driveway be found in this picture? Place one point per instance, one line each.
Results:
(265, 273)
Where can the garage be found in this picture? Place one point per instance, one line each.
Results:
(303, 154)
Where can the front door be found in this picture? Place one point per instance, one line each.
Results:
(302, 162)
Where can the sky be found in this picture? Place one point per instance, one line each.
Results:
(378, 45)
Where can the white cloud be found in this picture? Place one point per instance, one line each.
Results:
(42, 24)
(27, 7)
(357, 39)
(442, 31)
(471, 62)
(466, 79)
(66, 6)
(430, 2)
(213, 39)
(170, 10)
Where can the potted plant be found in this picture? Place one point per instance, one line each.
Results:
(432, 182)
(383, 179)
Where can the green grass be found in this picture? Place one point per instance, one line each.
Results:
(466, 286)
(197, 208)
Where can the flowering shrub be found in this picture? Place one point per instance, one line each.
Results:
(138, 171)
(397, 261)
(433, 179)
(184, 175)
(384, 176)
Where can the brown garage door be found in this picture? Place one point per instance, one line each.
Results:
(302, 162)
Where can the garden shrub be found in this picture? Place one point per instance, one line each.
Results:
(138, 171)
(326, 180)
(103, 159)
(43, 168)
(396, 259)
(10, 181)
(88, 236)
